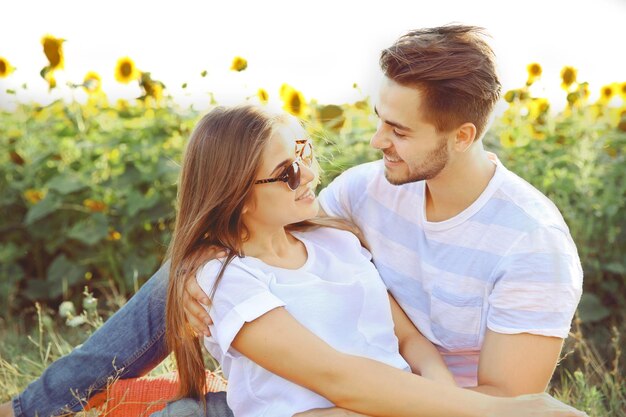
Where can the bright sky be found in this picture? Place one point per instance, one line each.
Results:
(320, 47)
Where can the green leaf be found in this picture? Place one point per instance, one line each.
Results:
(10, 252)
(49, 204)
(616, 268)
(591, 309)
(90, 231)
(10, 275)
(138, 202)
(138, 266)
(65, 184)
(63, 273)
(37, 289)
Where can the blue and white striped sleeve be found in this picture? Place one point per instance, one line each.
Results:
(342, 195)
(538, 285)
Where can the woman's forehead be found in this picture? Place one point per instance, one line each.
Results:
(282, 145)
(289, 132)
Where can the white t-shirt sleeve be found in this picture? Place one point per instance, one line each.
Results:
(242, 295)
(342, 195)
(538, 285)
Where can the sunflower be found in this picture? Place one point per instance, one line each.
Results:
(5, 68)
(537, 107)
(53, 49)
(534, 72)
(293, 100)
(92, 83)
(263, 96)
(152, 88)
(573, 98)
(126, 71)
(114, 235)
(332, 117)
(583, 90)
(507, 139)
(33, 196)
(239, 64)
(510, 96)
(568, 77)
(622, 90)
(94, 206)
(49, 77)
(606, 93)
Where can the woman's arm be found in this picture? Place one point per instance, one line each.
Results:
(419, 352)
(280, 344)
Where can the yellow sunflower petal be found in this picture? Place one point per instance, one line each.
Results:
(53, 49)
(262, 95)
(92, 83)
(568, 76)
(293, 100)
(239, 64)
(5, 68)
(534, 72)
(52, 82)
(507, 139)
(622, 90)
(126, 71)
(606, 93)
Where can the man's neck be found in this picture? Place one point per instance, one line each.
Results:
(459, 184)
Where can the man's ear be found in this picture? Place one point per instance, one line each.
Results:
(465, 135)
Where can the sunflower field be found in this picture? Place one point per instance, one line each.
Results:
(87, 192)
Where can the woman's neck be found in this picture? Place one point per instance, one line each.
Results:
(276, 247)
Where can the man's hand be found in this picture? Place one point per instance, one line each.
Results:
(439, 374)
(193, 299)
(329, 412)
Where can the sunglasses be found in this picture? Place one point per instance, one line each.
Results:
(292, 173)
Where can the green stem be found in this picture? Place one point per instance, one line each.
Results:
(116, 274)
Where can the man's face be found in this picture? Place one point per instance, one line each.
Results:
(413, 149)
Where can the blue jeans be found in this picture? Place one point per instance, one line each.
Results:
(215, 406)
(128, 345)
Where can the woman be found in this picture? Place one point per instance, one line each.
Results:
(301, 318)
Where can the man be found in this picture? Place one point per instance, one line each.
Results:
(481, 262)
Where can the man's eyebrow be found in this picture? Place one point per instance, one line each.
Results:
(394, 124)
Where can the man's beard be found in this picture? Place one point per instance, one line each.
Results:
(435, 161)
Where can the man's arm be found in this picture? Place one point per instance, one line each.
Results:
(421, 355)
(516, 364)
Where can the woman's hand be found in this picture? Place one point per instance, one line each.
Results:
(533, 405)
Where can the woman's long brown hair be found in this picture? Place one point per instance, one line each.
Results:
(220, 165)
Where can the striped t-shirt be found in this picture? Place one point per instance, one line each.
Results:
(507, 262)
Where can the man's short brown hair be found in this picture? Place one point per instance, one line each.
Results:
(453, 68)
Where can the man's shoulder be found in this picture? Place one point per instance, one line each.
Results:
(537, 208)
(364, 172)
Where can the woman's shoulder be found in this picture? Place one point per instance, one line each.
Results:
(332, 238)
(208, 273)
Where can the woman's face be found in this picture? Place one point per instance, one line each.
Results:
(274, 203)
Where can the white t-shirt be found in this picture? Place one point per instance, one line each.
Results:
(337, 294)
(507, 262)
